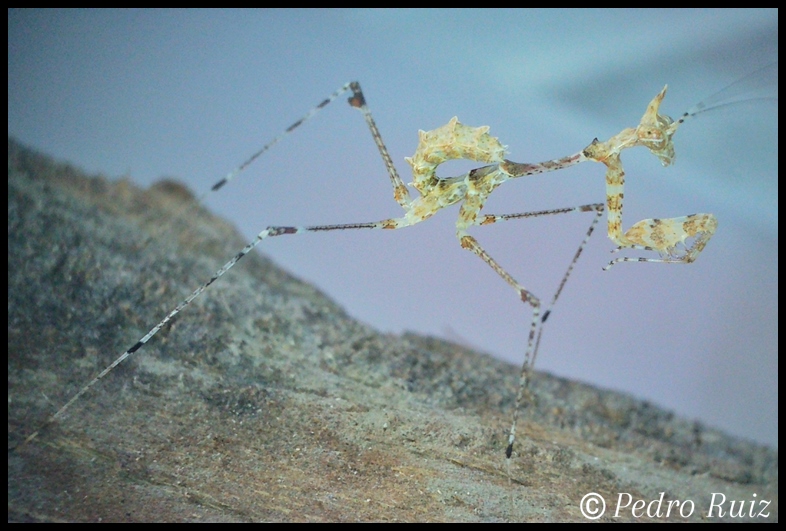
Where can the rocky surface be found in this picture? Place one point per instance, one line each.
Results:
(264, 401)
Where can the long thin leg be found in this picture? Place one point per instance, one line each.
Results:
(598, 208)
(358, 101)
(536, 326)
(306, 117)
(400, 191)
(471, 244)
(218, 185)
(269, 232)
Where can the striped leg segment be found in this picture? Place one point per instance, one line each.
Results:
(536, 326)
(269, 232)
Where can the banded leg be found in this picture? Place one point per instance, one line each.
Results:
(269, 232)
(536, 327)
(358, 101)
(471, 244)
(218, 185)
(400, 191)
(306, 117)
(598, 208)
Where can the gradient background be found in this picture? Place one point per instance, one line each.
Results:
(191, 94)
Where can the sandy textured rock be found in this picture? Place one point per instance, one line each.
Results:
(265, 401)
